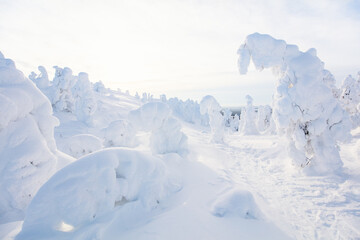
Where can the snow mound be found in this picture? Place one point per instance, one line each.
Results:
(28, 155)
(85, 191)
(82, 144)
(166, 135)
(236, 203)
(304, 110)
(212, 108)
(120, 133)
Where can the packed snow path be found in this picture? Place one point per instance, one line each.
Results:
(304, 207)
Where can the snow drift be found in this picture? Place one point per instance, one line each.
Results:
(305, 109)
(84, 192)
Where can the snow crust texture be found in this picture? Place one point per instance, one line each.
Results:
(27, 145)
(305, 110)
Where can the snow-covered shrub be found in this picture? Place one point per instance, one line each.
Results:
(188, 111)
(41, 80)
(166, 135)
(28, 154)
(85, 103)
(120, 133)
(212, 108)
(60, 93)
(248, 118)
(304, 107)
(82, 144)
(236, 203)
(85, 191)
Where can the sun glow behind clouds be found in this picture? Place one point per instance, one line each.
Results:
(181, 48)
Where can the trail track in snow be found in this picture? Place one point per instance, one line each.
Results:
(304, 207)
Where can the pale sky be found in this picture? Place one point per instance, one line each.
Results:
(181, 48)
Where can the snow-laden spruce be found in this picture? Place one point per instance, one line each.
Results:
(60, 93)
(166, 135)
(85, 104)
(69, 93)
(350, 98)
(304, 107)
(83, 193)
(188, 111)
(28, 154)
(248, 118)
(264, 121)
(212, 108)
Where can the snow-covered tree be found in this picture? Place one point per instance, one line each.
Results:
(60, 93)
(99, 87)
(235, 123)
(41, 80)
(304, 107)
(166, 135)
(188, 111)
(85, 102)
(350, 98)
(28, 154)
(264, 122)
(350, 94)
(248, 118)
(212, 108)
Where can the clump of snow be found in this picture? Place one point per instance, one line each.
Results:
(88, 189)
(166, 135)
(305, 109)
(248, 118)
(28, 154)
(120, 133)
(82, 144)
(41, 80)
(212, 108)
(236, 203)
